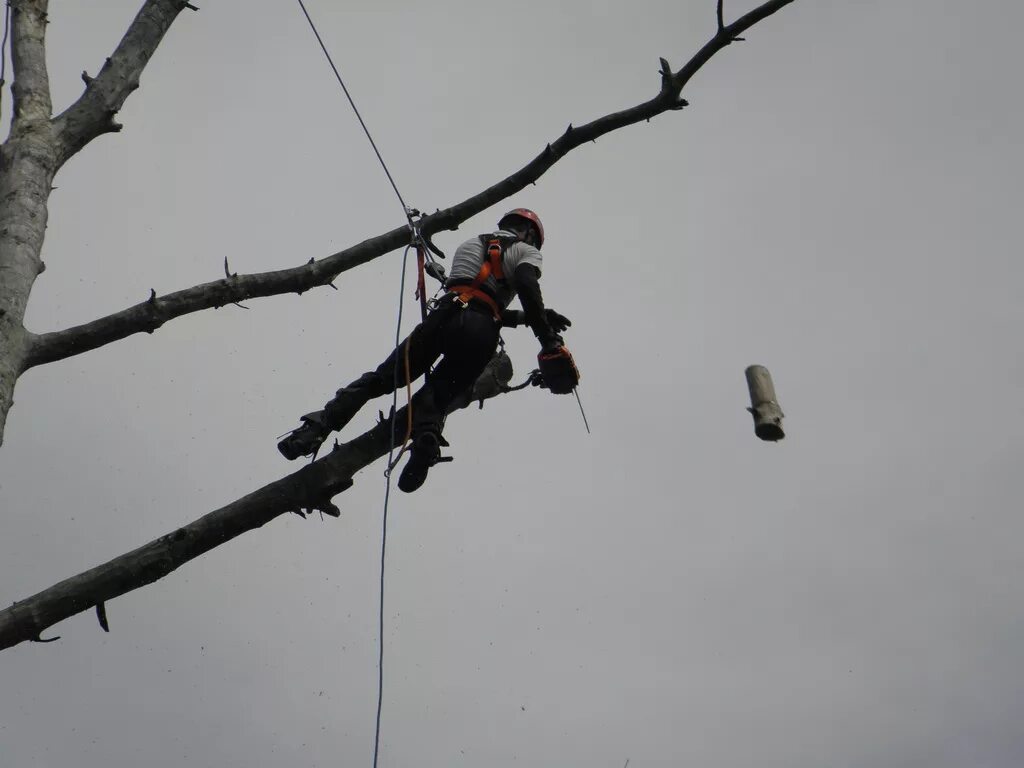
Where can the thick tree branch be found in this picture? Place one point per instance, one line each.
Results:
(93, 114)
(31, 86)
(311, 488)
(150, 315)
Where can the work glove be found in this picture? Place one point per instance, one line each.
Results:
(550, 344)
(557, 322)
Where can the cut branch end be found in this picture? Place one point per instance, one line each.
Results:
(666, 75)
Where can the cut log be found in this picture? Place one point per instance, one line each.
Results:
(764, 406)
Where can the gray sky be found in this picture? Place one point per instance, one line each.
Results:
(841, 203)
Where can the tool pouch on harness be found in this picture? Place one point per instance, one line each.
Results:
(559, 371)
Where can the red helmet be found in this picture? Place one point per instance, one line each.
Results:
(530, 216)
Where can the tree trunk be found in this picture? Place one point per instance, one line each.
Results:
(24, 185)
(28, 162)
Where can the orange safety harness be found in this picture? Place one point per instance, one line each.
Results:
(491, 266)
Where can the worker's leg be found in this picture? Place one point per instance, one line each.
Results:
(467, 343)
(424, 347)
(468, 340)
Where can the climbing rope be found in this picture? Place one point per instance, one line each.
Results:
(387, 498)
(355, 109)
(420, 243)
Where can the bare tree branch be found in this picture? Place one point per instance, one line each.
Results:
(150, 315)
(93, 114)
(31, 86)
(310, 488)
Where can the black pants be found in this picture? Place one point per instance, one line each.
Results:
(466, 337)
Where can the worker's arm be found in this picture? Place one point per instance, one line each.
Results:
(557, 368)
(513, 318)
(545, 323)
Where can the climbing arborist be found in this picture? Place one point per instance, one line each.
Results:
(487, 272)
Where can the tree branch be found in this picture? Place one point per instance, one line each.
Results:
(310, 488)
(31, 87)
(93, 114)
(150, 315)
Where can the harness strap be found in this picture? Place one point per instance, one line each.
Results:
(494, 254)
(421, 283)
(466, 293)
(492, 262)
(491, 267)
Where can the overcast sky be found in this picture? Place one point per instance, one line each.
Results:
(841, 203)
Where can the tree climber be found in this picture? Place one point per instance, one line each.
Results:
(487, 273)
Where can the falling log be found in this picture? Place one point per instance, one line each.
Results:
(763, 405)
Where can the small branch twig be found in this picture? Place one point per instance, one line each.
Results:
(101, 615)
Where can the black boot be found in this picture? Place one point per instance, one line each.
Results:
(317, 426)
(305, 439)
(424, 453)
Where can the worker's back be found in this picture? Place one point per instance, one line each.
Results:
(470, 256)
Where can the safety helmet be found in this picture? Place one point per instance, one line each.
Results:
(530, 216)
